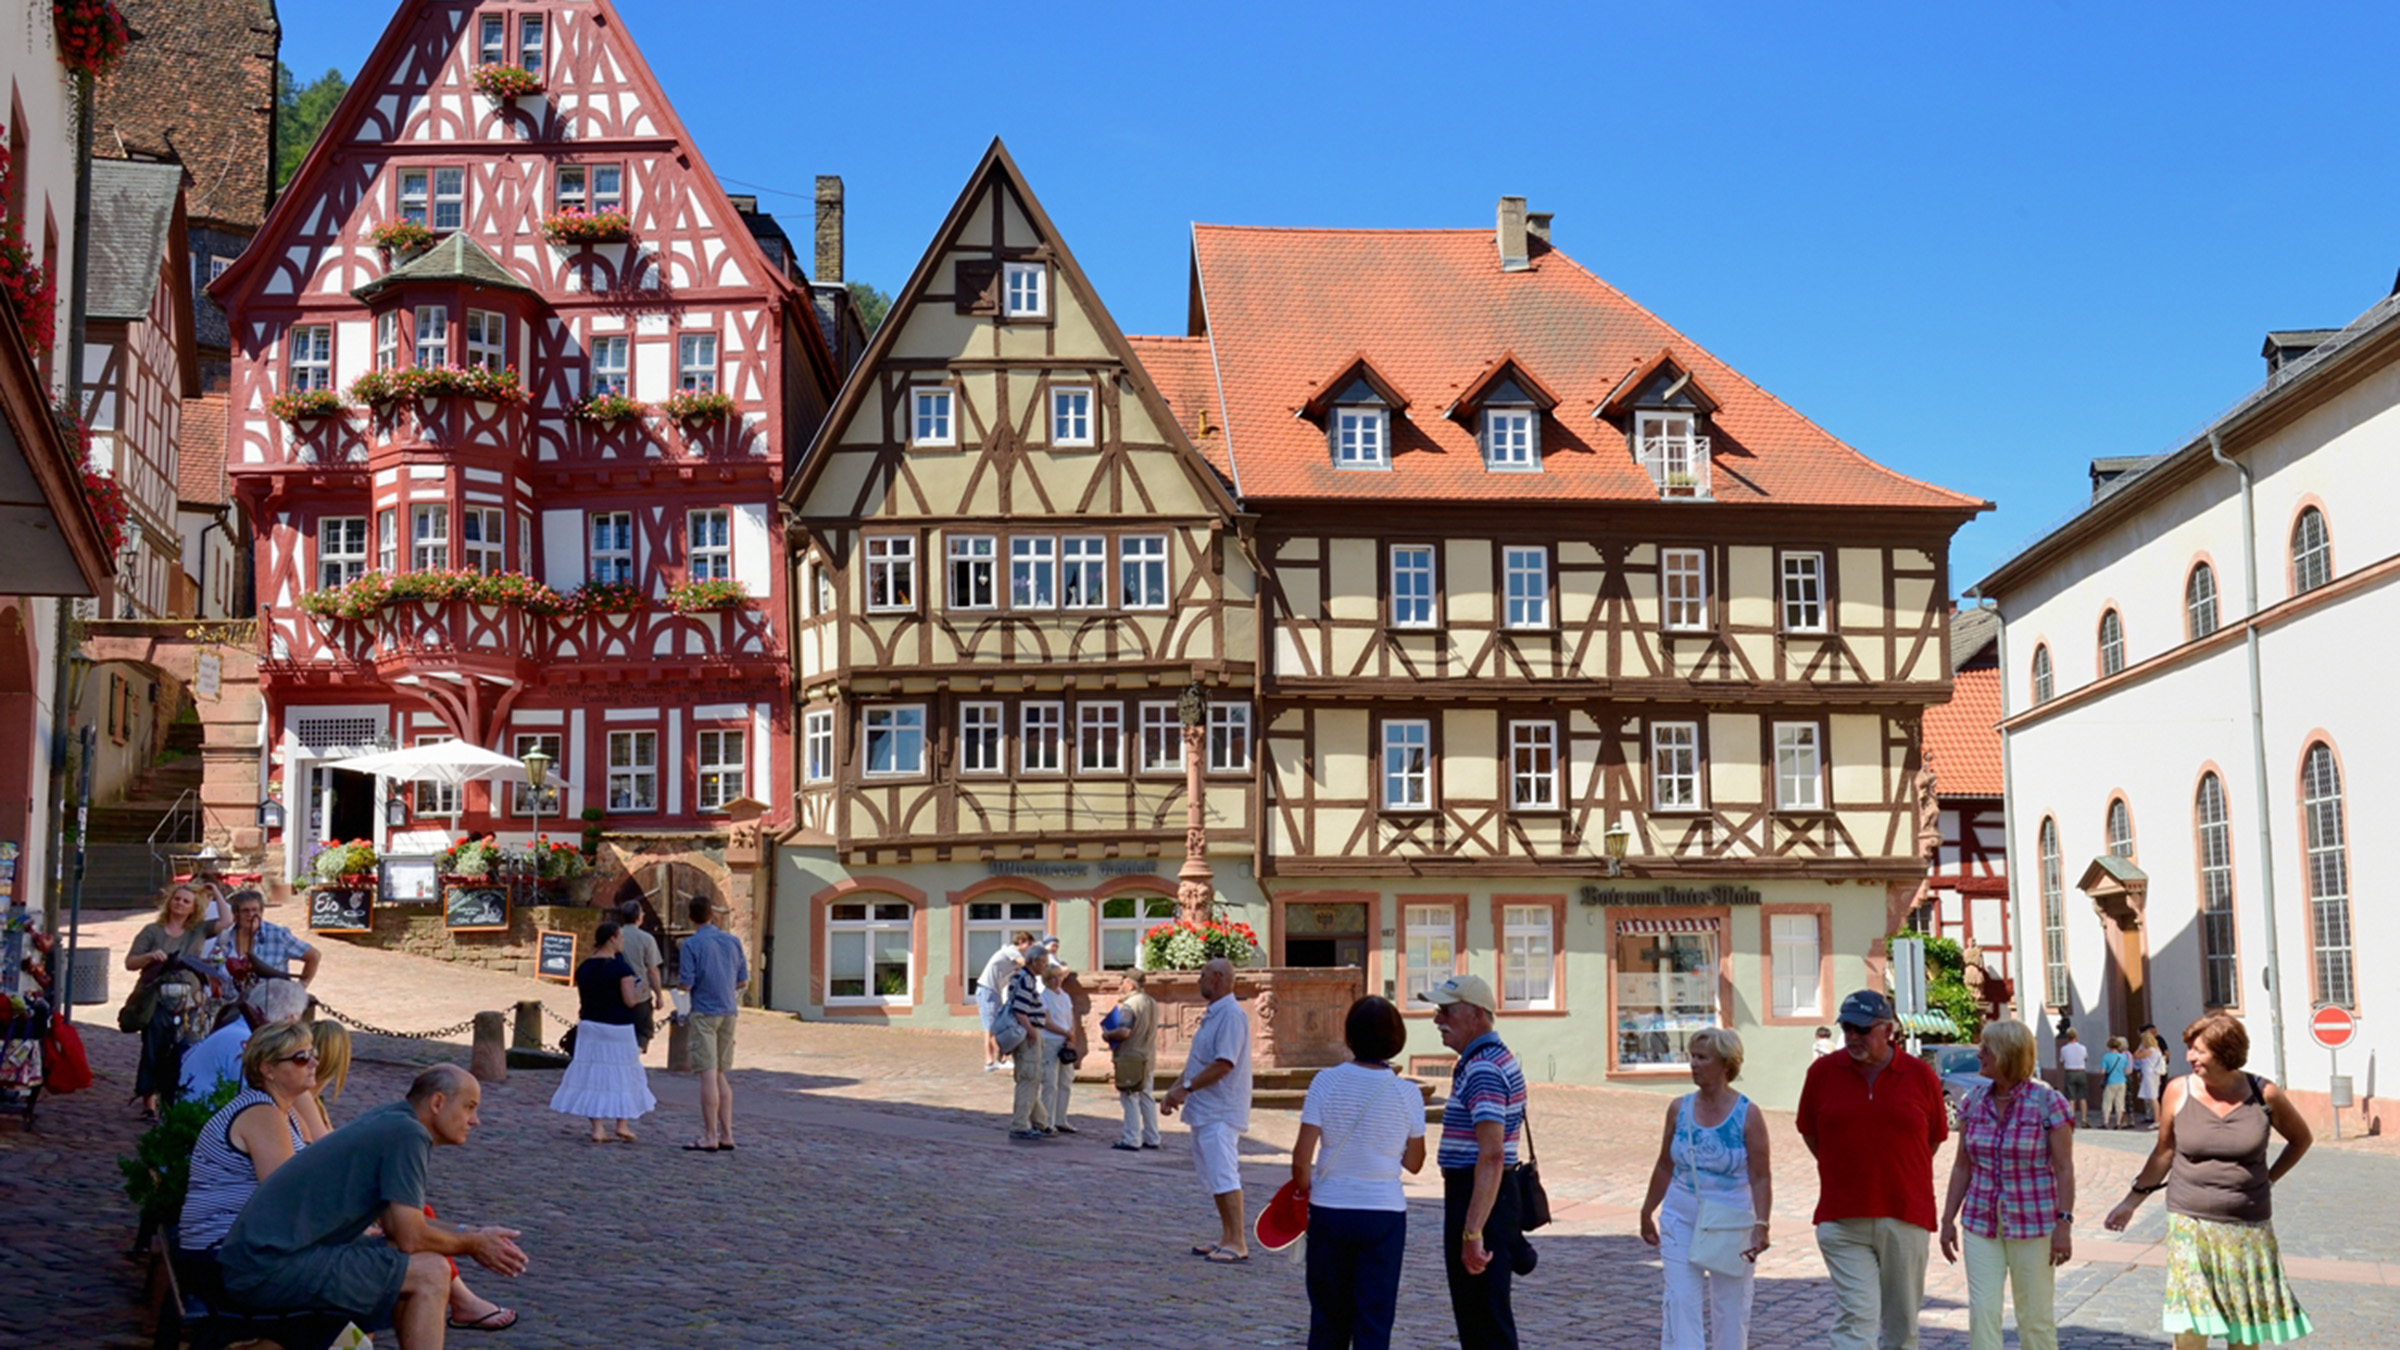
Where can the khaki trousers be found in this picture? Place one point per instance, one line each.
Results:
(1878, 1272)
(2023, 1265)
(1026, 1061)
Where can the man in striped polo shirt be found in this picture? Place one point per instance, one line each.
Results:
(1480, 1124)
(1030, 1122)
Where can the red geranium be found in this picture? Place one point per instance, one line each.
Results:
(91, 35)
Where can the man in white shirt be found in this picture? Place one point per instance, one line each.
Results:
(2074, 1061)
(991, 989)
(1216, 1088)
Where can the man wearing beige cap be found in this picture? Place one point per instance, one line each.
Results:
(1480, 1125)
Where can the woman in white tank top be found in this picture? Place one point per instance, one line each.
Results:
(1712, 1172)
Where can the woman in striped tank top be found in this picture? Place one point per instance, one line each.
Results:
(241, 1144)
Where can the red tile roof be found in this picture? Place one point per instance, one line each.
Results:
(1186, 377)
(200, 455)
(1962, 737)
(1433, 310)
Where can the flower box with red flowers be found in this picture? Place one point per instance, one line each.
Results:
(610, 409)
(379, 388)
(501, 83)
(299, 405)
(696, 597)
(575, 228)
(694, 406)
(607, 597)
(91, 35)
(401, 236)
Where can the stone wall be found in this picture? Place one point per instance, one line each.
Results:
(417, 929)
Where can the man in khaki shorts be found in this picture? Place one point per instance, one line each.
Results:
(710, 966)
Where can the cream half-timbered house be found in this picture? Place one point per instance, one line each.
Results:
(665, 716)
(1011, 562)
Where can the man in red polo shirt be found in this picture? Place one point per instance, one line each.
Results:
(1873, 1117)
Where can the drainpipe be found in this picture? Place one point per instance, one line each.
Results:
(2258, 747)
(2008, 811)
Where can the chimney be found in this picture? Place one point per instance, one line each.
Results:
(1512, 235)
(1537, 224)
(829, 229)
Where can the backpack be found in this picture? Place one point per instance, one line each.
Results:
(1007, 1032)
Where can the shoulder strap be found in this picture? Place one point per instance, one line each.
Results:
(2257, 1093)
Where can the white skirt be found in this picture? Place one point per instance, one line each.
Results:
(605, 1081)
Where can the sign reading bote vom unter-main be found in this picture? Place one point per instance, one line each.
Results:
(1696, 896)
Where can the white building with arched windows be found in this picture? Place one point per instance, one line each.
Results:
(2197, 675)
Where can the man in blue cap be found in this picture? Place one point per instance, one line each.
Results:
(1873, 1117)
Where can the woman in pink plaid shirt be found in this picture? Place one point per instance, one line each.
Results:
(2014, 1187)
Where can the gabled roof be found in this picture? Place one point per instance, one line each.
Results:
(1678, 380)
(1432, 307)
(1184, 372)
(1962, 737)
(1505, 375)
(1359, 371)
(997, 166)
(133, 223)
(457, 260)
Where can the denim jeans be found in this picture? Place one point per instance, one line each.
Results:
(1353, 1276)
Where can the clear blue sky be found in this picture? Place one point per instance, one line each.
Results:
(1981, 243)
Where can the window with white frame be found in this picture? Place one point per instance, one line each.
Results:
(869, 954)
(612, 367)
(493, 50)
(429, 539)
(990, 924)
(696, 363)
(1804, 592)
(1793, 952)
(2054, 920)
(633, 771)
(482, 539)
(2042, 683)
(1142, 571)
(437, 799)
(2220, 957)
(529, 43)
(309, 363)
(2120, 830)
(612, 546)
(591, 188)
(449, 198)
(1525, 575)
(549, 743)
(2328, 844)
(1683, 586)
(1100, 737)
(1360, 438)
(1026, 290)
(1229, 738)
(973, 558)
(1071, 416)
(1040, 729)
(1032, 572)
(979, 738)
(1528, 943)
(824, 589)
(1083, 571)
(1510, 440)
(1533, 766)
(895, 740)
(416, 196)
(387, 541)
(387, 340)
(2312, 552)
(1674, 766)
(709, 535)
(433, 336)
(1429, 953)
(721, 767)
(2200, 602)
(891, 572)
(571, 189)
(1799, 777)
(608, 187)
(1412, 586)
(1123, 920)
(929, 420)
(2112, 643)
(487, 340)
(341, 550)
(1162, 738)
(1407, 765)
(816, 745)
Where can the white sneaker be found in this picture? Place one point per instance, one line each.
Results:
(991, 1068)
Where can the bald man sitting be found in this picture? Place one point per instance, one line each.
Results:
(300, 1245)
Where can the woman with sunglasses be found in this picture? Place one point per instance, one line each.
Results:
(252, 1135)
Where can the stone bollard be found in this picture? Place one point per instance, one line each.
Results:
(490, 1061)
(679, 1045)
(529, 1025)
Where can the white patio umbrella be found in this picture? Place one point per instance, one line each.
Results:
(451, 762)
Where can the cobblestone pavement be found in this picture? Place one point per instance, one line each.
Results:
(874, 1202)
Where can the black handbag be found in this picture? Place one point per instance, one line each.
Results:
(1533, 1201)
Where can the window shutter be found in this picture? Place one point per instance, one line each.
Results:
(978, 286)
(562, 550)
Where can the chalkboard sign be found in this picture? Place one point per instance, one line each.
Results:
(470, 909)
(557, 959)
(341, 909)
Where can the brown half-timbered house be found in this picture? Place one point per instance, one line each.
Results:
(667, 711)
(1011, 561)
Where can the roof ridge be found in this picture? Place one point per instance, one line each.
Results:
(1343, 229)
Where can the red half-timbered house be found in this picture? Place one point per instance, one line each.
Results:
(514, 395)
(1965, 894)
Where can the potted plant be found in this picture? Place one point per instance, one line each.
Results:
(610, 409)
(504, 83)
(695, 597)
(607, 597)
(574, 227)
(338, 863)
(690, 407)
(1181, 944)
(470, 861)
(404, 237)
(91, 35)
(592, 816)
(295, 406)
(160, 1170)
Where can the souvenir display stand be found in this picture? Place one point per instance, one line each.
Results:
(24, 994)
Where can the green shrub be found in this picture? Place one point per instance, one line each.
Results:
(160, 1170)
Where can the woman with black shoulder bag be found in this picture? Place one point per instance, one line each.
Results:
(1372, 1122)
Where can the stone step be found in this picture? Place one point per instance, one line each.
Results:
(186, 736)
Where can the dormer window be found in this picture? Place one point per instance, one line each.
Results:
(1361, 438)
(1672, 453)
(1665, 406)
(1511, 439)
(1026, 290)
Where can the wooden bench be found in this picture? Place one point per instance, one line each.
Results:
(197, 1317)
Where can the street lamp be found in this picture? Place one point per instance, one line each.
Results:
(537, 776)
(270, 814)
(1617, 838)
(395, 810)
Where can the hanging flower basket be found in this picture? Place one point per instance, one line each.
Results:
(689, 408)
(609, 409)
(1185, 945)
(294, 406)
(401, 236)
(91, 35)
(502, 83)
(29, 290)
(573, 228)
(697, 597)
(607, 597)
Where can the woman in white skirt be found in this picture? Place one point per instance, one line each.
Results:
(605, 1082)
(1710, 1194)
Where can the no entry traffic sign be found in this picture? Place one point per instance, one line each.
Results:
(2333, 1027)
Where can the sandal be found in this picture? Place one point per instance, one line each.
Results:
(697, 1147)
(1225, 1256)
(498, 1319)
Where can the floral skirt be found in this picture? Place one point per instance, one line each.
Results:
(2225, 1279)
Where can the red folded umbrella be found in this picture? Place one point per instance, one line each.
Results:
(1285, 1219)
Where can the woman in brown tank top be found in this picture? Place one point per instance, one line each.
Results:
(2224, 1271)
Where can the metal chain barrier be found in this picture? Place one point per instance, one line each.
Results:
(555, 1016)
(438, 1033)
